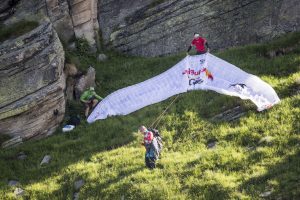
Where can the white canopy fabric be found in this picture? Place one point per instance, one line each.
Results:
(200, 72)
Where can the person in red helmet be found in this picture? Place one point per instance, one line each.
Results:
(200, 44)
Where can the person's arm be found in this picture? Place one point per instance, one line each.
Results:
(190, 47)
(97, 96)
(207, 46)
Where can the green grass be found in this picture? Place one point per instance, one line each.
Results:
(16, 29)
(256, 154)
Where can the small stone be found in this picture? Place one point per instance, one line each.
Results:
(267, 140)
(72, 46)
(19, 192)
(76, 196)
(211, 145)
(266, 194)
(78, 184)
(101, 57)
(46, 160)
(22, 156)
(251, 148)
(13, 183)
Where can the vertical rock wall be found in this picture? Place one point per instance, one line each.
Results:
(84, 16)
(69, 17)
(153, 28)
(32, 83)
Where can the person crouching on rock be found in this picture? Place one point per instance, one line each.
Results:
(200, 44)
(90, 100)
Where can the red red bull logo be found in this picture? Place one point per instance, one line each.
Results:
(196, 73)
(191, 72)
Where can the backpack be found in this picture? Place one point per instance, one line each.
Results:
(74, 120)
(158, 137)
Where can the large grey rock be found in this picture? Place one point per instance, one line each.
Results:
(84, 17)
(85, 81)
(148, 28)
(32, 83)
(59, 13)
(69, 18)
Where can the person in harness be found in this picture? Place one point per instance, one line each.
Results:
(200, 44)
(153, 144)
(90, 99)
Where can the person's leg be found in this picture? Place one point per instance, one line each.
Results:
(87, 110)
(95, 101)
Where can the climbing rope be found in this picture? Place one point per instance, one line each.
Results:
(157, 120)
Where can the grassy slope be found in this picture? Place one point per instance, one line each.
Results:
(258, 153)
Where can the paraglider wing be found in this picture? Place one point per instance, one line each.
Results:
(200, 72)
(132, 98)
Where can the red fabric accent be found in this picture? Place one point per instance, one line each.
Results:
(148, 137)
(199, 43)
(210, 77)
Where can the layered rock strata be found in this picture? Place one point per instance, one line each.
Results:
(84, 16)
(153, 28)
(32, 83)
(69, 17)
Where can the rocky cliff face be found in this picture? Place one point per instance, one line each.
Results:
(158, 27)
(84, 16)
(69, 17)
(32, 83)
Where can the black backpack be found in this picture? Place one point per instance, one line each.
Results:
(158, 137)
(74, 120)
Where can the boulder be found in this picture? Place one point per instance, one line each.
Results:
(102, 57)
(58, 12)
(84, 17)
(32, 83)
(85, 81)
